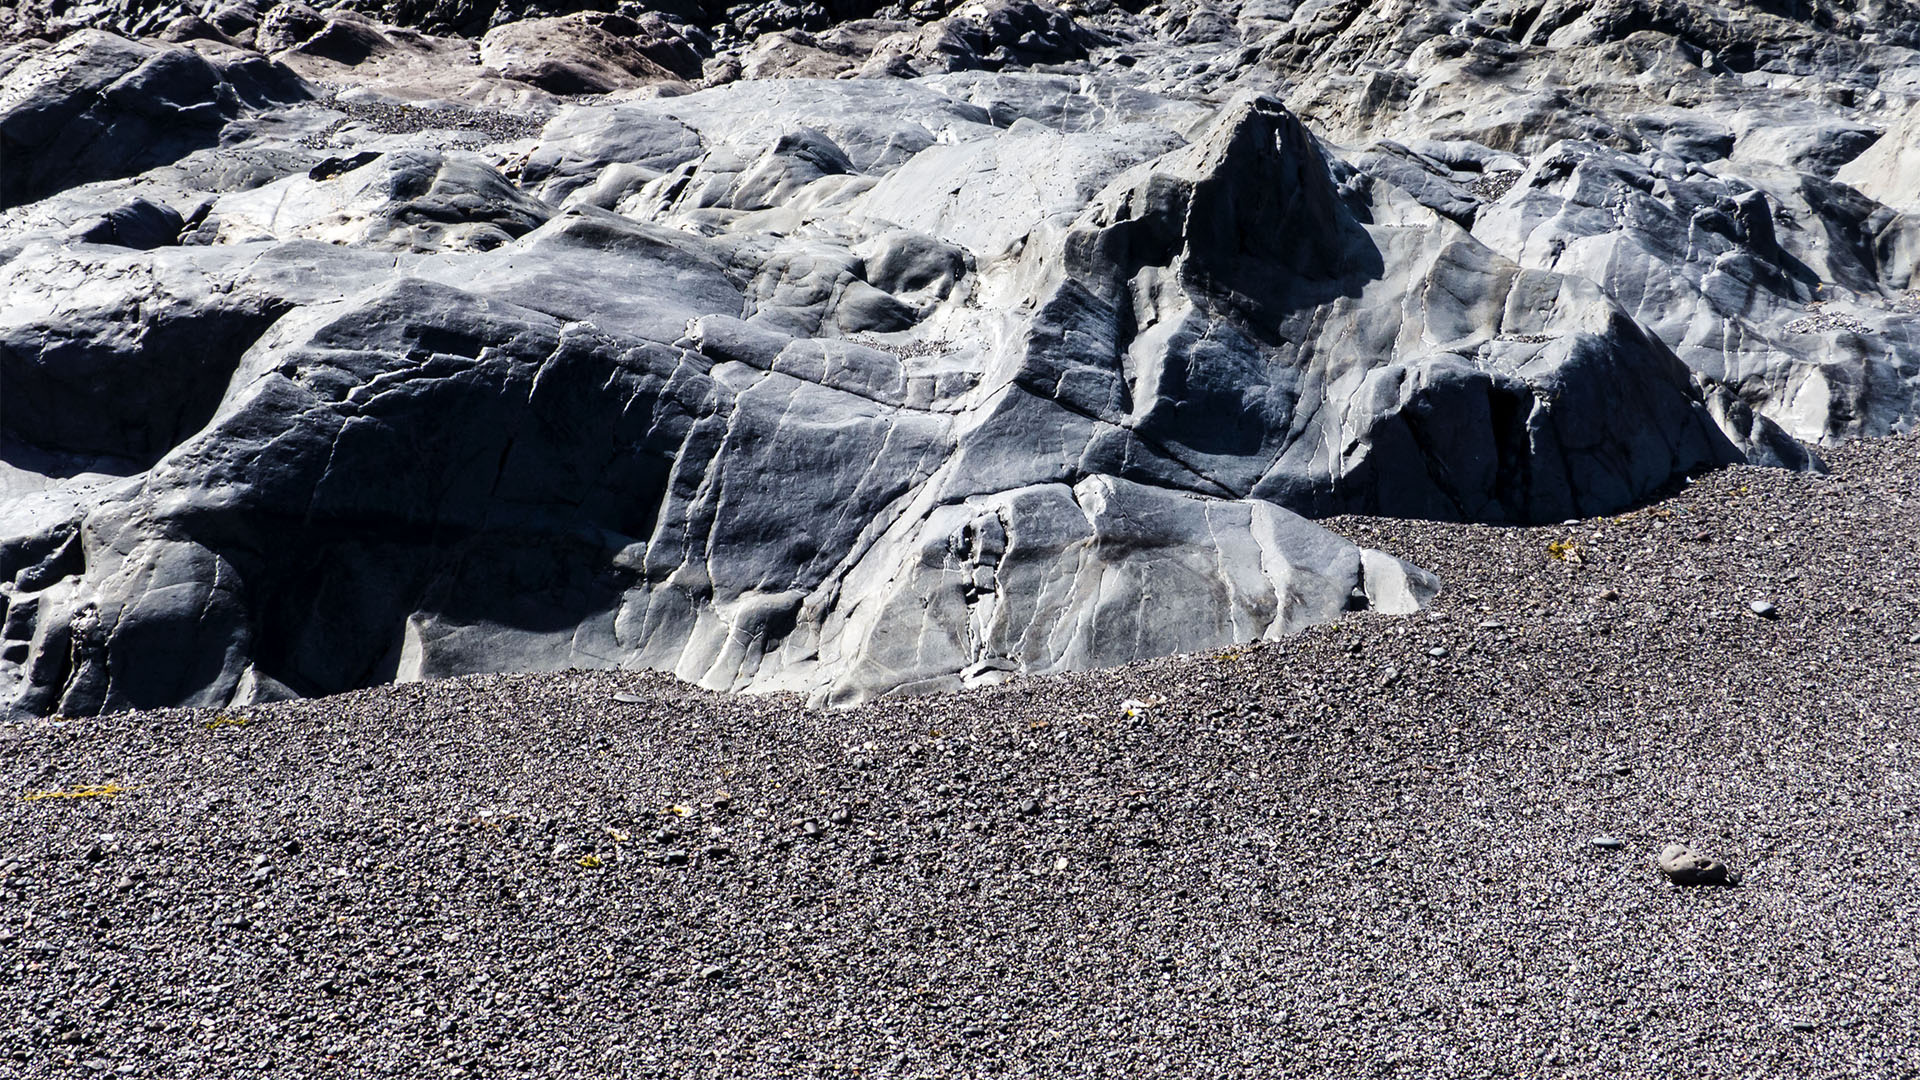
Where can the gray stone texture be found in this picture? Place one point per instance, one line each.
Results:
(853, 356)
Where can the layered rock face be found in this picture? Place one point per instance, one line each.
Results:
(998, 340)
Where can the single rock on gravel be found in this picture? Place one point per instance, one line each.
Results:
(1683, 866)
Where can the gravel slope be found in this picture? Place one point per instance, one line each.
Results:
(1346, 854)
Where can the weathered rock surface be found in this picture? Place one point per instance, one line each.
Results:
(1706, 264)
(1889, 169)
(96, 107)
(587, 54)
(796, 348)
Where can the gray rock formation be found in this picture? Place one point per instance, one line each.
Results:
(589, 53)
(96, 106)
(876, 355)
(1706, 264)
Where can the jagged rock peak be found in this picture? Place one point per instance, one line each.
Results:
(1244, 215)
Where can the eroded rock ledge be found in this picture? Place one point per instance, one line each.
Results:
(1034, 347)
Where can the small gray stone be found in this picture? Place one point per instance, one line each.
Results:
(1683, 866)
(1608, 843)
(1763, 608)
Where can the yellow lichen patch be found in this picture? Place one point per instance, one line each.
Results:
(1566, 551)
(223, 720)
(591, 862)
(679, 811)
(89, 791)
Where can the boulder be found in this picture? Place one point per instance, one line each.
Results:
(588, 54)
(580, 145)
(97, 106)
(125, 354)
(990, 35)
(796, 54)
(344, 37)
(141, 224)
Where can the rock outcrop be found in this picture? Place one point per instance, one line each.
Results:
(96, 107)
(589, 54)
(795, 348)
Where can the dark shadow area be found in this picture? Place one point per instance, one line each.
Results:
(70, 391)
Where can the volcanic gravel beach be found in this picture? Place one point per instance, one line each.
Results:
(1365, 851)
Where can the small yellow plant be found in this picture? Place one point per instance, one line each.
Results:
(1567, 551)
(90, 791)
(223, 720)
(591, 862)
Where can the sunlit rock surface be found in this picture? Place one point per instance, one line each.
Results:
(853, 352)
